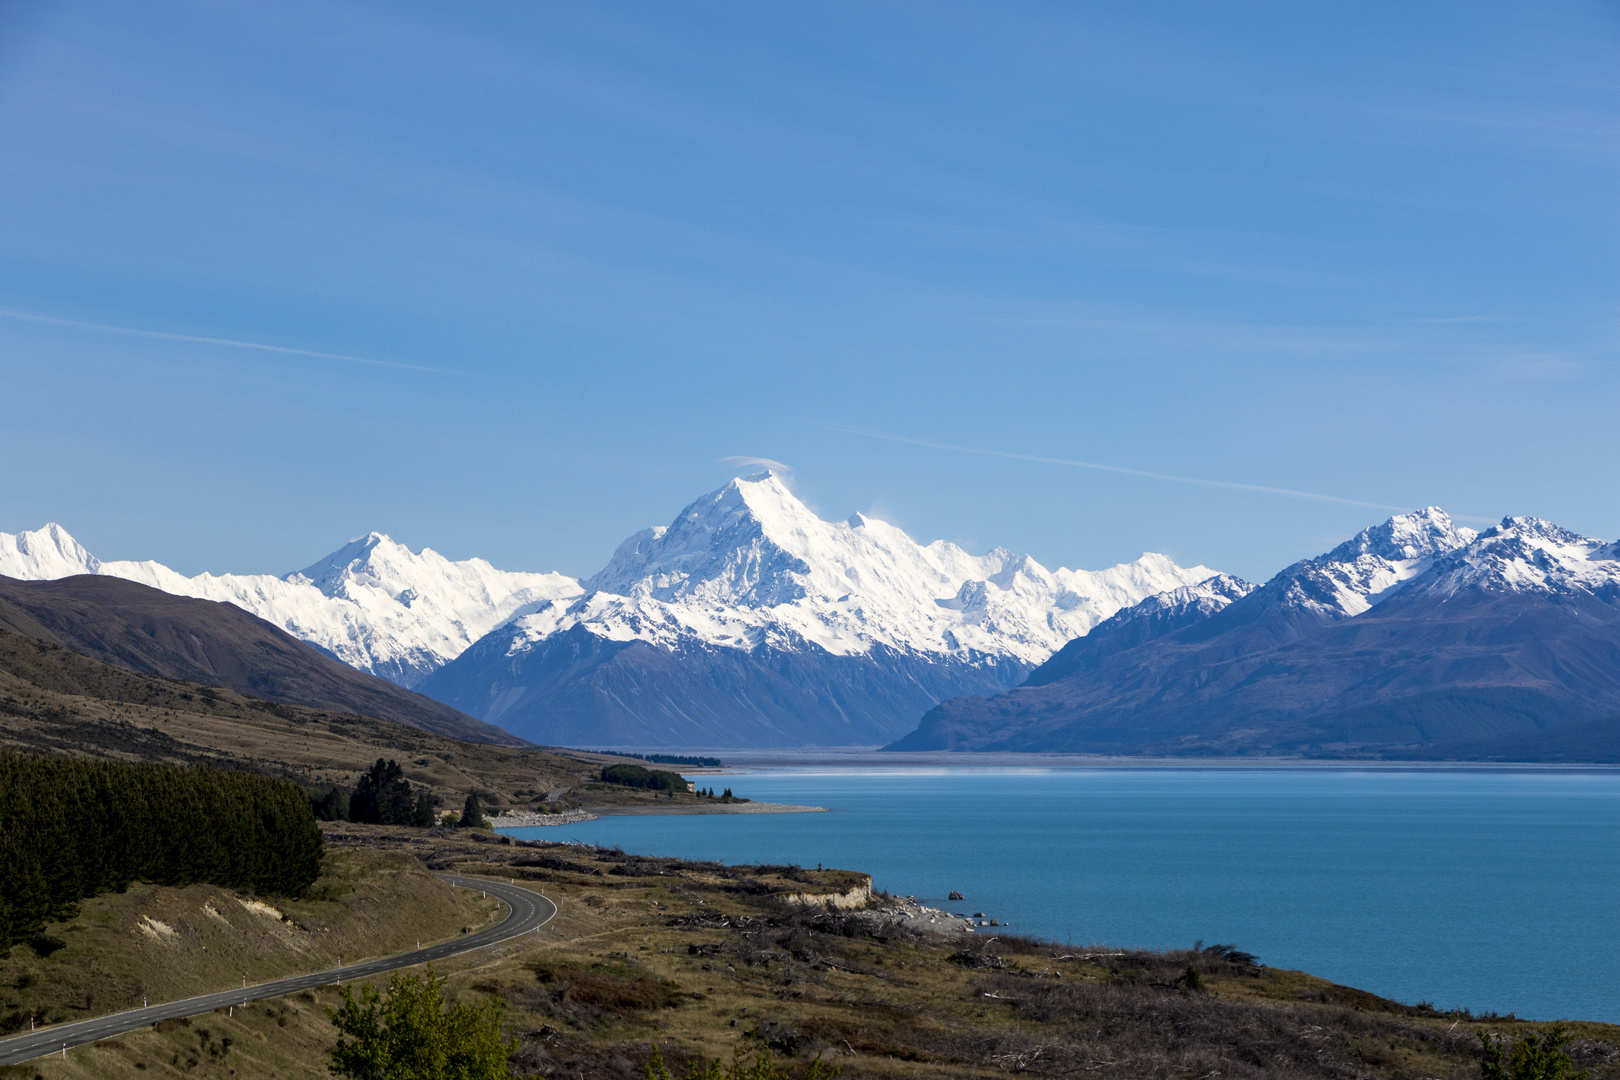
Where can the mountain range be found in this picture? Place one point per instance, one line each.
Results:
(748, 620)
(373, 604)
(1416, 639)
(751, 621)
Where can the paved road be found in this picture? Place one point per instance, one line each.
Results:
(529, 911)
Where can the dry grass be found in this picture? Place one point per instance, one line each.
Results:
(55, 701)
(693, 956)
(167, 943)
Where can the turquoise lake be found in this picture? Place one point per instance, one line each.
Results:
(1490, 889)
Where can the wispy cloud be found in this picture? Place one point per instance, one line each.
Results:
(230, 343)
(743, 461)
(1264, 489)
(1455, 320)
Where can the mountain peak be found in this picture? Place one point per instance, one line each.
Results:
(751, 558)
(771, 499)
(737, 543)
(1421, 534)
(357, 556)
(1528, 555)
(47, 552)
(1541, 530)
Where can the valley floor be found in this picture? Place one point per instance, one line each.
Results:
(699, 958)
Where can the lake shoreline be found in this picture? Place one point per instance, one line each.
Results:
(750, 807)
(873, 758)
(528, 819)
(1368, 877)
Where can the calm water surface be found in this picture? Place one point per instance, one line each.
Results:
(1493, 889)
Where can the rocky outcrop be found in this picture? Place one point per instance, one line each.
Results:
(855, 898)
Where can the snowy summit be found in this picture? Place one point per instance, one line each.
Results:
(765, 624)
(374, 604)
(750, 564)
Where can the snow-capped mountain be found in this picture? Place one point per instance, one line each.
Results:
(1198, 601)
(1415, 637)
(44, 555)
(1528, 555)
(1369, 566)
(1158, 615)
(752, 620)
(873, 623)
(374, 604)
(750, 563)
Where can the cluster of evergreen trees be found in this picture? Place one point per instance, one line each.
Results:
(382, 797)
(639, 776)
(71, 828)
(677, 759)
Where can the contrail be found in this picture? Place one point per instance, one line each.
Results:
(228, 342)
(1229, 484)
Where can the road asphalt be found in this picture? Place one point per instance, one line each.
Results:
(529, 911)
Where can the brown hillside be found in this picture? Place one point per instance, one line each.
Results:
(145, 630)
(56, 701)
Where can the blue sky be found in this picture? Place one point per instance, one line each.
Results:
(539, 268)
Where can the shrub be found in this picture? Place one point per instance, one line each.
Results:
(583, 994)
(422, 818)
(1533, 1057)
(412, 1032)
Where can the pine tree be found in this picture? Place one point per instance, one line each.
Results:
(422, 818)
(330, 807)
(472, 815)
(383, 796)
(73, 828)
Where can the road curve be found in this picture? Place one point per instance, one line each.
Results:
(528, 912)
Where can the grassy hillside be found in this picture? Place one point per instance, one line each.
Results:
(693, 957)
(151, 632)
(53, 700)
(167, 943)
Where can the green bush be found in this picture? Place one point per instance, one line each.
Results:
(1533, 1057)
(382, 797)
(412, 1032)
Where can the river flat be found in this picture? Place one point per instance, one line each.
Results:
(1494, 889)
